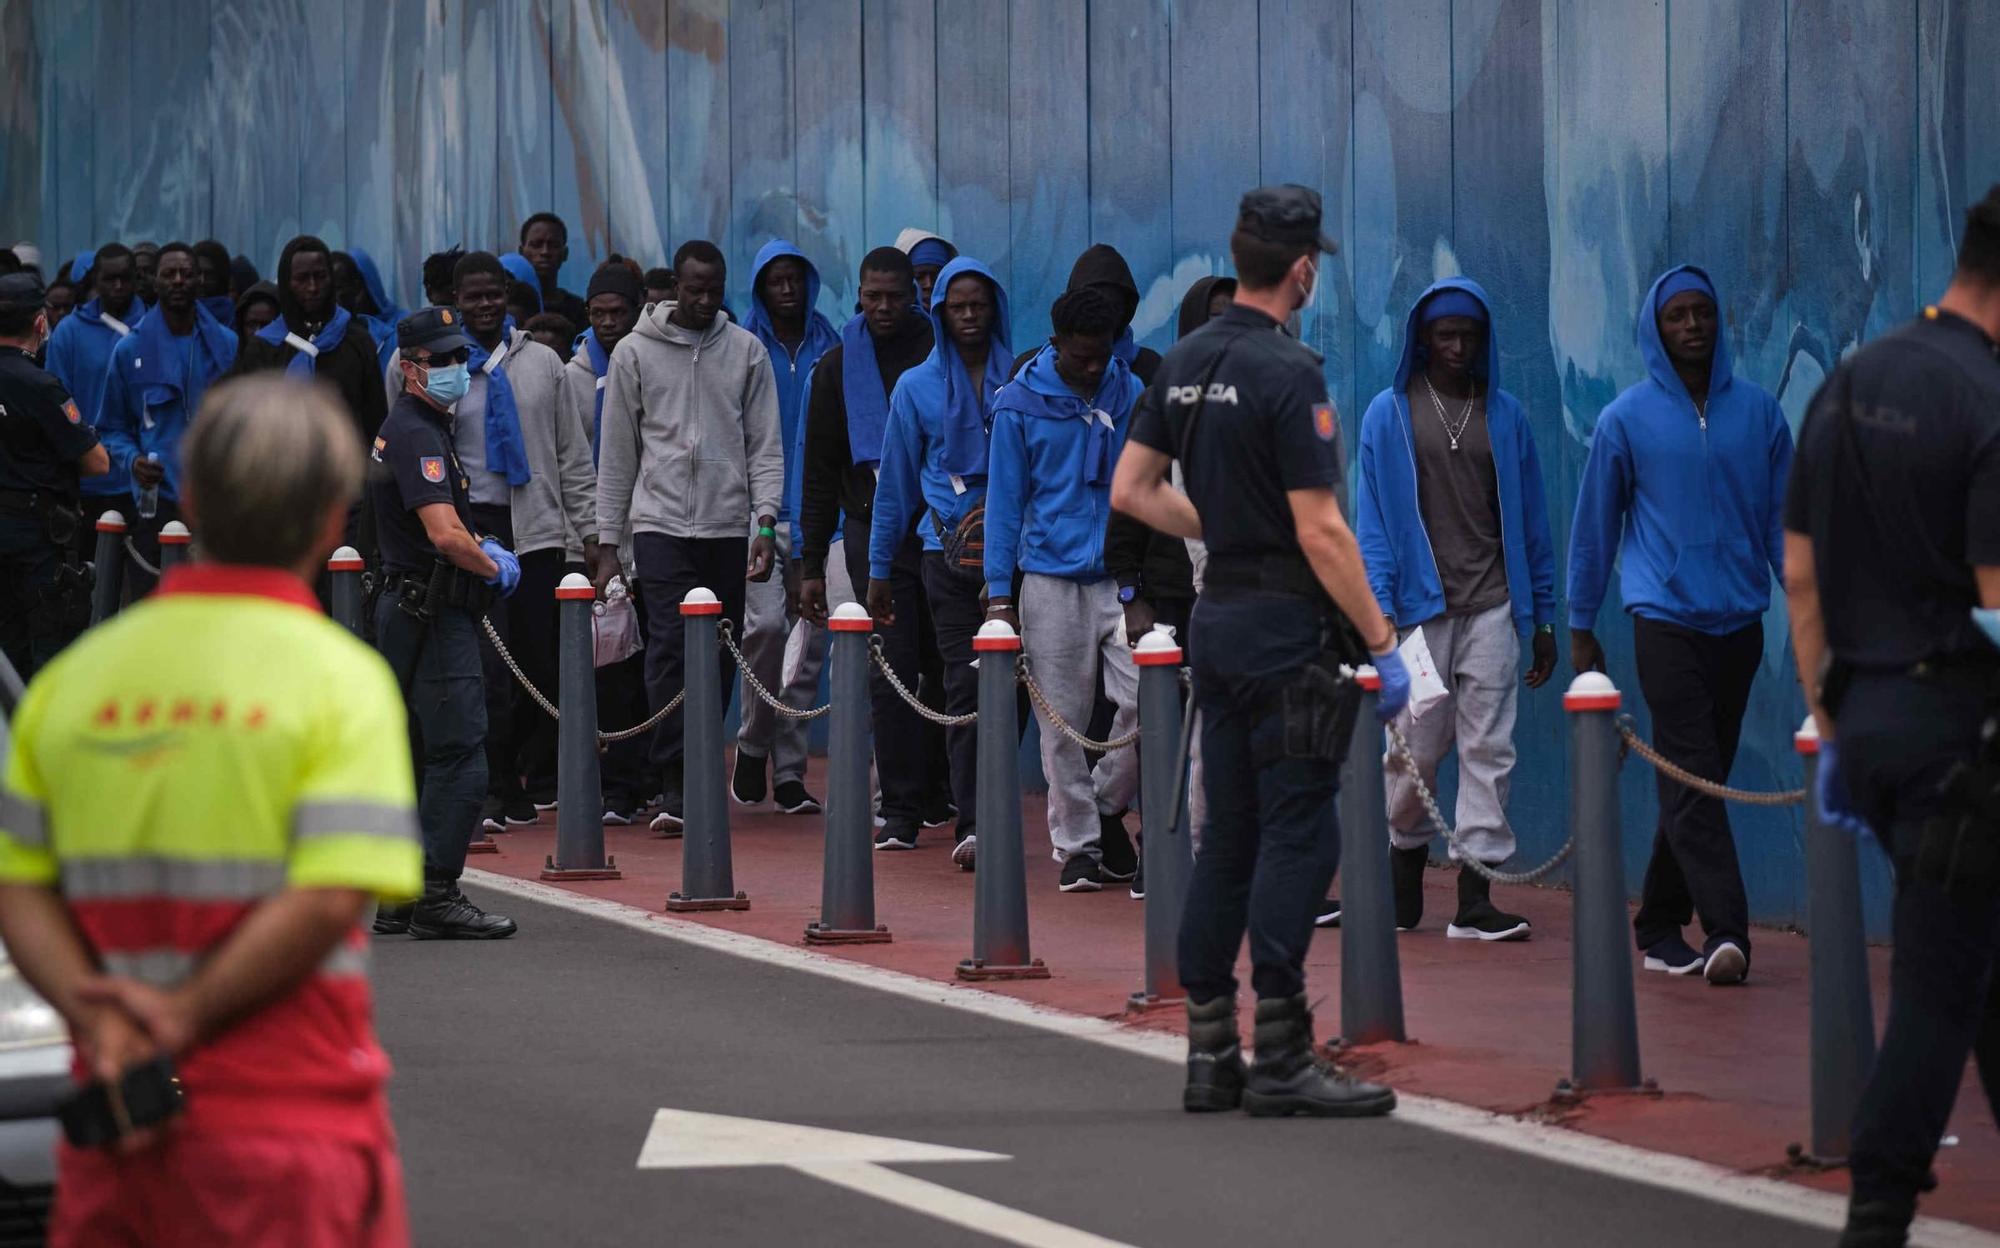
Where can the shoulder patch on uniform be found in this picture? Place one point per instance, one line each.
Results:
(69, 410)
(1323, 421)
(433, 468)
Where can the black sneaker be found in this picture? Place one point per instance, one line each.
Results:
(1406, 876)
(1725, 963)
(1328, 914)
(746, 786)
(1120, 862)
(493, 814)
(445, 913)
(519, 812)
(896, 835)
(1674, 956)
(938, 810)
(965, 854)
(393, 919)
(791, 798)
(668, 822)
(1083, 873)
(1478, 918)
(1138, 889)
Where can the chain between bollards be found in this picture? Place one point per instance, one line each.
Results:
(1682, 776)
(139, 560)
(603, 738)
(1062, 725)
(1404, 760)
(878, 656)
(750, 681)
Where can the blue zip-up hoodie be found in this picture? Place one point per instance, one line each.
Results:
(1402, 568)
(79, 356)
(153, 388)
(913, 477)
(1693, 501)
(790, 369)
(382, 325)
(1048, 488)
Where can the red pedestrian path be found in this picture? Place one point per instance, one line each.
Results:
(1489, 1023)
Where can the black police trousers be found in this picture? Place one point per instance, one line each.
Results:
(437, 666)
(1899, 736)
(1272, 840)
(31, 627)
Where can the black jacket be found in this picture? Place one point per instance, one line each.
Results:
(351, 368)
(832, 483)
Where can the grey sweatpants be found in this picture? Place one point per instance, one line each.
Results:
(1067, 627)
(786, 653)
(1479, 659)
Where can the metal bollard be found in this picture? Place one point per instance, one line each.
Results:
(344, 569)
(1000, 887)
(1169, 858)
(174, 541)
(1371, 972)
(1843, 1020)
(1604, 1022)
(847, 881)
(707, 882)
(579, 792)
(109, 567)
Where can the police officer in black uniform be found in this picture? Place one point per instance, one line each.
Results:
(1284, 605)
(1892, 569)
(45, 445)
(438, 578)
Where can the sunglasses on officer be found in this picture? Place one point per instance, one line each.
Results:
(447, 358)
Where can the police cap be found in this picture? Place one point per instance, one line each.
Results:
(1284, 214)
(436, 330)
(21, 292)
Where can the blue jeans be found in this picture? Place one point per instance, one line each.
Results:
(1899, 737)
(438, 669)
(1272, 842)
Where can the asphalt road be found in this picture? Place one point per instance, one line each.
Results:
(529, 1072)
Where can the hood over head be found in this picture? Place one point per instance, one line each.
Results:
(1646, 328)
(758, 321)
(371, 279)
(937, 250)
(1487, 368)
(1194, 304)
(952, 272)
(1102, 268)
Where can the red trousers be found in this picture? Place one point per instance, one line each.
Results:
(248, 1190)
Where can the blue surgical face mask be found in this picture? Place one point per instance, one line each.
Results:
(447, 383)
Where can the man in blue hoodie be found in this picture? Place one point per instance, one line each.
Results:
(1057, 430)
(784, 294)
(79, 354)
(1454, 526)
(933, 477)
(153, 387)
(1685, 487)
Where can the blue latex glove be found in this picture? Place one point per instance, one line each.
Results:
(1395, 694)
(1988, 620)
(507, 572)
(1835, 805)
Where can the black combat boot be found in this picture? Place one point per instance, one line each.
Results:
(1406, 877)
(393, 918)
(1215, 1058)
(1289, 1078)
(1878, 1224)
(444, 913)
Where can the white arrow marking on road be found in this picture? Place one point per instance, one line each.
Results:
(683, 1140)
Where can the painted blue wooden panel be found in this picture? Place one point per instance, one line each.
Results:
(578, 142)
(636, 129)
(763, 199)
(1131, 156)
(1049, 171)
(832, 206)
(369, 146)
(170, 163)
(974, 198)
(254, 204)
(22, 107)
(322, 108)
(115, 134)
(899, 118)
(1958, 114)
(1213, 52)
(698, 120)
(66, 40)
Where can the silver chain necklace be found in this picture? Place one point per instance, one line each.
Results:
(1464, 416)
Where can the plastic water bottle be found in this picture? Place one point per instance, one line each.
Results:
(149, 497)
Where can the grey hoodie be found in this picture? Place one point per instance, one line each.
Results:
(690, 445)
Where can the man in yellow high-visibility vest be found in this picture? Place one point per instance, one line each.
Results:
(201, 801)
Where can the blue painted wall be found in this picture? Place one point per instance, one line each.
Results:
(1815, 155)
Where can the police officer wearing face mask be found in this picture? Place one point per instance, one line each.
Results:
(1285, 604)
(45, 445)
(438, 579)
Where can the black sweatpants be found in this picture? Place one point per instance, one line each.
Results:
(668, 567)
(1697, 687)
(901, 748)
(956, 612)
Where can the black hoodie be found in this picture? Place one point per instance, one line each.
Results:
(831, 482)
(1101, 266)
(351, 368)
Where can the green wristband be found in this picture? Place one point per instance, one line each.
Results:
(766, 531)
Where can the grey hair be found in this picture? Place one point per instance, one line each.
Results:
(264, 461)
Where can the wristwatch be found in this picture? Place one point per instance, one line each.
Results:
(1546, 630)
(1126, 593)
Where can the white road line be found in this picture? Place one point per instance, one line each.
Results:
(943, 1203)
(1699, 1179)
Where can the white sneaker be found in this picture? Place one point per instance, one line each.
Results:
(1727, 964)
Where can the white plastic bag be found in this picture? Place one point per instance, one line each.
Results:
(614, 626)
(1426, 686)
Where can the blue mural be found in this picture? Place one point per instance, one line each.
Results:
(1815, 155)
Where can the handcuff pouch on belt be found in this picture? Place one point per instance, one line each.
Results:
(1960, 850)
(446, 586)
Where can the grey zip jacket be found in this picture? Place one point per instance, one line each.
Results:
(690, 445)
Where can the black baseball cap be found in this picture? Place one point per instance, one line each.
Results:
(1289, 213)
(436, 330)
(21, 292)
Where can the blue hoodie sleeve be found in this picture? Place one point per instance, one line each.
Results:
(1541, 543)
(1774, 498)
(118, 415)
(1371, 529)
(1006, 497)
(1601, 500)
(898, 494)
